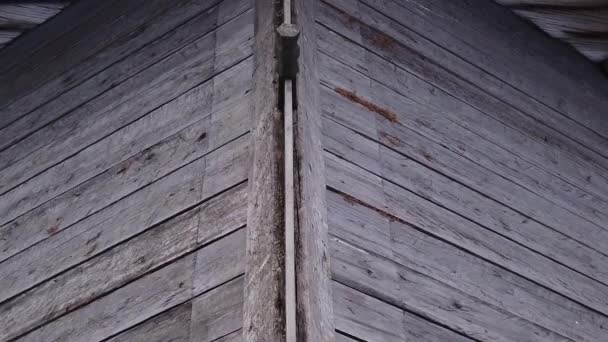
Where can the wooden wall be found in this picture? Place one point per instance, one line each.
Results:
(124, 158)
(467, 182)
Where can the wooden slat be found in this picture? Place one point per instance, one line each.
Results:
(176, 237)
(264, 276)
(370, 319)
(533, 69)
(461, 270)
(442, 190)
(28, 15)
(192, 136)
(80, 84)
(61, 53)
(159, 89)
(465, 234)
(495, 124)
(315, 317)
(6, 35)
(141, 299)
(71, 17)
(418, 293)
(134, 214)
(378, 122)
(172, 325)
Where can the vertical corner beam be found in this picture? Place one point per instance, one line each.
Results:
(315, 318)
(288, 285)
(264, 305)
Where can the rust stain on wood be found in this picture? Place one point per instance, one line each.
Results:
(382, 40)
(385, 113)
(391, 139)
(52, 230)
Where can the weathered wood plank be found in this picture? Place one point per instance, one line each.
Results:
(219, 313)
(228, 118)
(173, 325)
(118, 311)
(26, 16)
(365, 25)
(492, 113)
(199, 226)
(425, 296)
(83, 131)
(461, 270)
(141, 210)
(465, 234)
(370, 319)
(80, 93)
(364, 115)
(441, 190)
(56, 27)
(264, 275)
(73, 47)
(315, 317)
(542, 168)
(140, 300)
(533, 68)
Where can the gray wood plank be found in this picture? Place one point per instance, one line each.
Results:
(52, 29)
(492, 113)
(129, 305)
(86, 282)
(370, 319)
(264, 275)
(81, 84)
(315, 317)
(573, 184)
(217, 314)
(228, 118)
(134, 214)
(73, 47)
(524, 113)
(461, 270)
(74, 133)
(534, 65)
(26, 16)
(173, 325)
(447, 225)
(478, 208)
(378, 122)
(139, 300)
(425, 296)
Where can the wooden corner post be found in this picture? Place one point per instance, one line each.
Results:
(287, 289)
(315, 316)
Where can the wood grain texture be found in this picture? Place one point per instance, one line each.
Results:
(490, 121)
(379, 122)
(26, 16)
(172, 239)
(370, 319)
(134, 214)
(264, 276)
(86, 81)
(87, 130)
(148, 296)
(54, 28)
(472, 49)
(26, 75)
(427, 183)
(456, 268)
(451, 227)
(420, 294)
(227, 120)
(313, 282)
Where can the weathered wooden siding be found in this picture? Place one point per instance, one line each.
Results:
(467, 182)
(124, 158)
